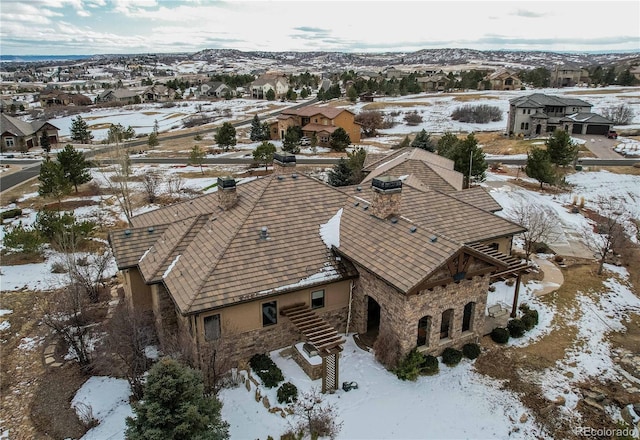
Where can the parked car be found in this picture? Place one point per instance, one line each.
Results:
(611, 134)
(305, 141)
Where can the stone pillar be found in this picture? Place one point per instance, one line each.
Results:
(387, 196)
(283, 163)
(227, 195)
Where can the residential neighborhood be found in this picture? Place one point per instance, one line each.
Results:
(305, 234)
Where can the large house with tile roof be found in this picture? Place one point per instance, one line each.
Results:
(316, 120)
(538, 114)
(21, 135)
(287, 258)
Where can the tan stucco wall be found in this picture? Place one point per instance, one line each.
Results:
(346, 121)
(137, 292)
(504, 244)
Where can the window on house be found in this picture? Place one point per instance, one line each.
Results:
(528, 111)
(9, 142)
(445, 323)
(467, 317)
(526, 125)
(212, 327)
(524, 111)
(324, 139)
(424, 327)
(269, 313)
(317, 299)
(522, 126)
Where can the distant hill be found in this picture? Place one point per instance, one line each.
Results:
(40, 58)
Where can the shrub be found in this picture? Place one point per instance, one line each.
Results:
(409, 367)
(266, 369)
(260, 362)
(480, 114)
(471, 350)
(500, 335)
(528, 321)
(412, 118)
(24, 239)
(10, 213)
(429, 365)
(287, 393)
(59, 267)
(516, 328)
(387, 351)
(451, 356)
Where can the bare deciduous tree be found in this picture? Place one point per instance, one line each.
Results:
(620, 114)
(609, 232)
(540, 224)
(151, 182)
(129, 333)
(175, 184)
(119, 183)
(315, 418)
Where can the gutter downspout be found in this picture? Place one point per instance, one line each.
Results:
(346, 331)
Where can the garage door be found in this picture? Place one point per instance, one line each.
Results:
(597, 129)
(577, 129)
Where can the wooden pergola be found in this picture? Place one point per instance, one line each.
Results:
(322, 336)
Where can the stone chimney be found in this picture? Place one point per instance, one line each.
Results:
(227, 196)
(283, 163)
(387, 196)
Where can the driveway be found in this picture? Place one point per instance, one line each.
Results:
(600, 145)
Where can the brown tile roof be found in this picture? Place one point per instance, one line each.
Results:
(434, 171)
(319, 128)
(312, 110)
(478, 196)
(129, 246)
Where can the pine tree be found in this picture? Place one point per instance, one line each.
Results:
(352, 94)
(256, 129)
(196, 157)
(539, 166)
(423, 141)
(52, 181)
(340, 174)
(45, 143)
(226, 136)
(263, 154)
(80, 131)
(562, 151)
(447, 143)
(468, 158)
(270, 95)
(175, 407)
(291, 141)
(74, 165)
(339, 140)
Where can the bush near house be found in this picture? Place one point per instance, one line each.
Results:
(266, 369)
(516, 328)
(409, 367)
(500, 335)
(529, 317)
(10, 213)
(451, 357)
(471, 350)
(429, 365)
(287, 393)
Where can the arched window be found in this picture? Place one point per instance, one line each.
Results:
(467, 317)
(424, 329)
(445, 323)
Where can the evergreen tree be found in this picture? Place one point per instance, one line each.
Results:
(447, 143)
(340, 174)
(321, 95)
(562, 151)
(74, 166)
(263, 154)
(226, 136)
(539, 166)
(291, 141)
(256, 133)
(423, 141)
(355, 161)
(304, 93)
(196, 157)
(352, 94)
(80, 131)
(53, 183)
(270, 95)
(45, 143)
(339, 139)
(175, 407)
(153, 139)
(468, 159)
(265, 132)
(406, 142)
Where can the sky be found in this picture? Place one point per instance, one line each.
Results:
(87, 27)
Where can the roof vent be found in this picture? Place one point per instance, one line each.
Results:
(359, 188)
(365, 207)
(280, 177)
(264, 233)
(413, 229)
(294, 176)
(150, 229)
(356, 204)
(433, 239)
(394, 220)
(127, 232)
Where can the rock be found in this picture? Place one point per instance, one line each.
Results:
(248, 385)
(560, 401)
(593, 395)
(630, 415)
(524, 418)
(265, 402)
(592, 403)
(547, 409)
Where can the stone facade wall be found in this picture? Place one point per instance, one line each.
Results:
(399, 314)
(385, 203)
(164, 311)
(227, 197)
(313, 371)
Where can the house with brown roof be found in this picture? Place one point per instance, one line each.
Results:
(269, 81)
(287, 258)
(316, 120)
(503, 79)
(20, 135)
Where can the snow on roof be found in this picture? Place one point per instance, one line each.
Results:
(330, 231)
(173, 263)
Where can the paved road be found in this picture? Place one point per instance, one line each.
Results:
(599, 145)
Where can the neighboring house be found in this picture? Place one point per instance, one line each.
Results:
(287, 258)
(120, 95)
(50, 98)
(215, 89)
(154, 93)
(20, 135)
(568, 75)
(278, 83)
(393, 72)
(433, 83)
(502, 79)
(316, 120)
(157, 93)
(539, 113)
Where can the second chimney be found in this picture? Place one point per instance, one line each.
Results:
(282, 162)
(227, 196)
(387, 196)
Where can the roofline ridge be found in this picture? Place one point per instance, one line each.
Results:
(240, 225)
(193, 222)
